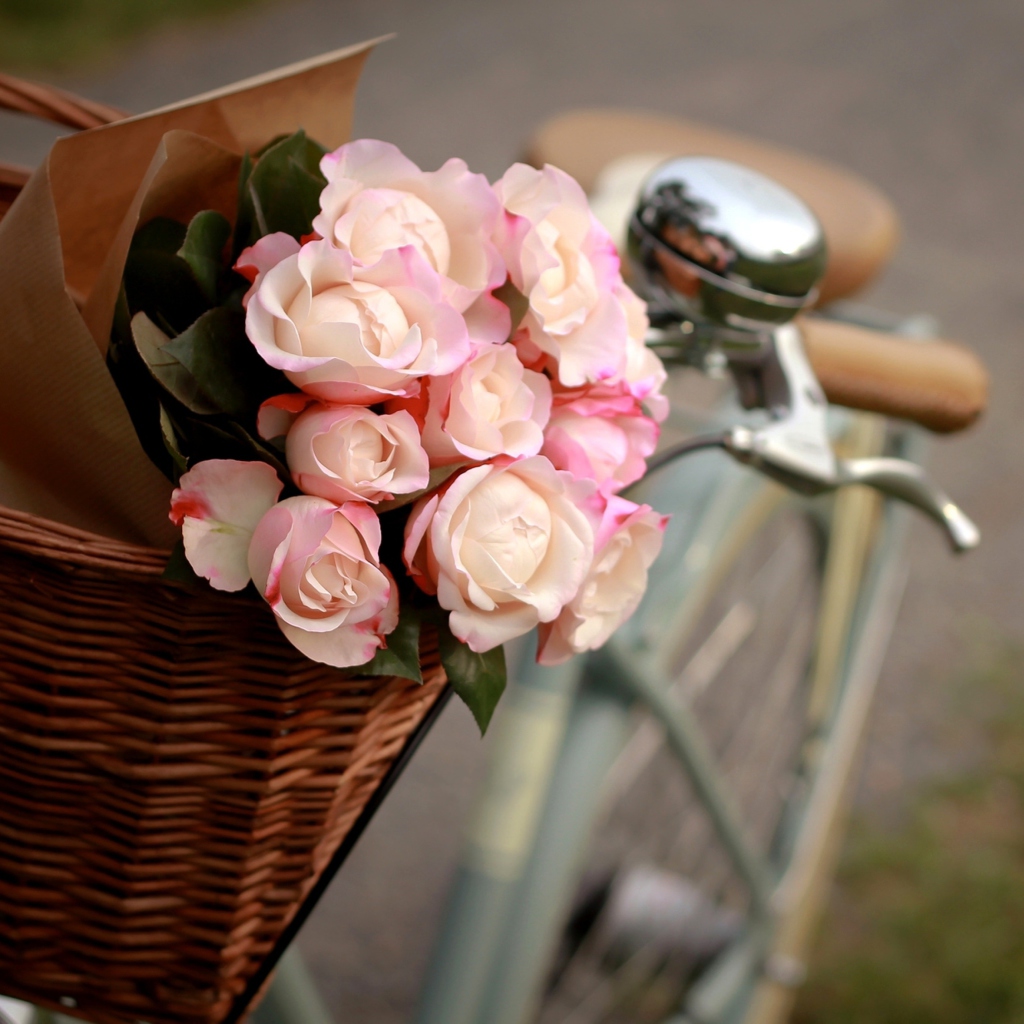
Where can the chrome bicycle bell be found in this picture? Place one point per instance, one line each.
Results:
(713, 241)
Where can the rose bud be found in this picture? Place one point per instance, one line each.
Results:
(347, 453)
(492, 405)
(317, 566)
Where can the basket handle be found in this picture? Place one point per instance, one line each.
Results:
(48, 104)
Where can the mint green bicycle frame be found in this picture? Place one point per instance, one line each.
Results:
(564, 727)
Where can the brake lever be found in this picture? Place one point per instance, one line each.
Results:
(795, 448)
(906, 481)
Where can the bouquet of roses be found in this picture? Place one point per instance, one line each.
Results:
(387, 396)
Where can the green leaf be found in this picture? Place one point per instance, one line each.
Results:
(159, 235)
(166, 370)
(401, 657)
(205, 437)
(170, 439)
(479, 679)
(281, 192)
(211, 367)
(258, 449)
(178, 569)
(158, 281)
(203, 249)
(224, 364)
(517, 302)
(138, 390)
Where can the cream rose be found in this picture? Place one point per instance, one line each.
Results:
(492, 405)
(347, 334)
(377, 199)
(629, 538)
(347, 453)
(504, 546)
(565, 264)
(317, 566)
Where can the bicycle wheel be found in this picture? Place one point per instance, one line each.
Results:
(758, 617)
(764, 654)
(658, 896)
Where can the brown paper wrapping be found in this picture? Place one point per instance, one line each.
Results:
(68, 450)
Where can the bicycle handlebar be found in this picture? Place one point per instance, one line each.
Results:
(939, 384)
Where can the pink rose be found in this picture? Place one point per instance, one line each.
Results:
(217, 504)
(644, 373)
(565, 264)
(317, 566)
(606, 439)
(347, 334)
(504, 546)
(262, 256)
(378, 200)
(492, 405)
(348, 453)
(277, 414)
(628, 540)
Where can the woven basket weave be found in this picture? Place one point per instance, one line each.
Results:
(174, 775)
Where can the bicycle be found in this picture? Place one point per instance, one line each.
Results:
(560, 740)
(743, 558)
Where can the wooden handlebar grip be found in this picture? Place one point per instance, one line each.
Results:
(939, 384)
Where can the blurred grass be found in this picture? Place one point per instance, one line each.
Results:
(926, 923)
(58, 34)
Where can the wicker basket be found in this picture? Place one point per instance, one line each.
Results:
(174, 776)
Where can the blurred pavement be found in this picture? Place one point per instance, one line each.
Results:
(923, 97)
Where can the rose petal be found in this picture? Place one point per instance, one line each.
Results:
(218, 504)
(629, 537)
